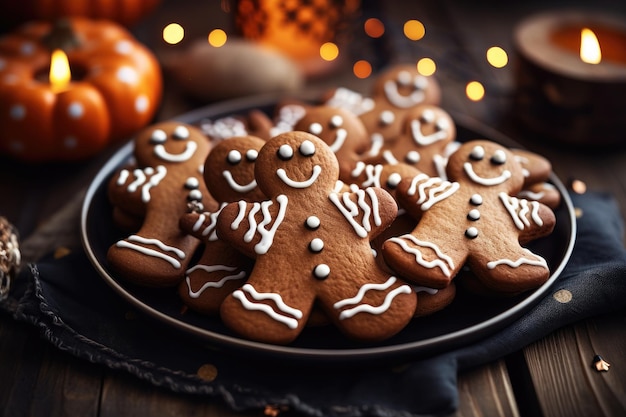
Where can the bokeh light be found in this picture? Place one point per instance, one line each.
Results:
(329, 51)
(475, 91)
(362, 69)
(374, 28)
(497, 57)
(173, 33)
(414, 30)
(426, 66)
(217, 38)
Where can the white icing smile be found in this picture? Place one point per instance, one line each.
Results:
(425, 140)
(235, 185)
(402, 101)
(340, 138)
(190, 149)
(282, 174)
(469, 170)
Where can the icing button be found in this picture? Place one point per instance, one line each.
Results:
(473, 215)
(316, 245)
(471, 232)
(321, 271)
(312, 222)
(476, 200)
(195, 195)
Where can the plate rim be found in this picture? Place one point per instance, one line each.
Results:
(478, 330)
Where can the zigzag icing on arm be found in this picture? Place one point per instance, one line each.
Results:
(152, 182)
(431, 190)
(445, 263)
(519, 215)
(350, 210)
(267, 235)
(289, 318)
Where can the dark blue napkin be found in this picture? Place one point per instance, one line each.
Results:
(56, 295)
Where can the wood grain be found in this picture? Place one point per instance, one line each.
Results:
(561, 366)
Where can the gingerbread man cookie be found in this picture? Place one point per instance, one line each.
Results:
(472, 219)
(311, 244)
(220, 269)
(166, 176)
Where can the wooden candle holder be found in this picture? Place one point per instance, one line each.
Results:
(560, 96)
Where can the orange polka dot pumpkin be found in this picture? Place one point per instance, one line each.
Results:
(115, 90)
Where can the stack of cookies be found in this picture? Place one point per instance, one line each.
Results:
(358, 212)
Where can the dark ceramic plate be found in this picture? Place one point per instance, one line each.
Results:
(465, 321)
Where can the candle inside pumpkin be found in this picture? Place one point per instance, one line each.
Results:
(60, 74)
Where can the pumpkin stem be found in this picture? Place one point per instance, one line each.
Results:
(61, 36)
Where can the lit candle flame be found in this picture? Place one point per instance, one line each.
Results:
(60, 74)
(589, 47)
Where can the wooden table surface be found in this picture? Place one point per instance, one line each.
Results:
(551, 377)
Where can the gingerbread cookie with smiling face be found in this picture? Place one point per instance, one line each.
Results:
(311, 244)
(472, 219)
(166, 176)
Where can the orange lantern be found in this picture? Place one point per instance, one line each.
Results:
(46, 114)
(295, 27)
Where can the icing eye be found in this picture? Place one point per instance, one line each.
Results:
(234, 157)
(477, 153)
(393, 180)
(336, 121)
(285, 152)
(158, 136)
(498, 158)
(307, 148)
(181, 133)
(387, 117)
(420, 83)
(412, 157)
(442, 124)
(404, 78)
(315, 128)
(251, 155)
(428, 116)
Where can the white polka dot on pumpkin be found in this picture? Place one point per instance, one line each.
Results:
(17, 112)
(27, 48)
(70, 142)
(141, 104)
(75, 110)
(127, 75)
(10, 79)
(123, 47)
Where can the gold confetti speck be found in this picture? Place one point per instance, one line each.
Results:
(600, 364)
(563, 296)
(207, 372)
(578, 186)
(578, 212)
(61, 252)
